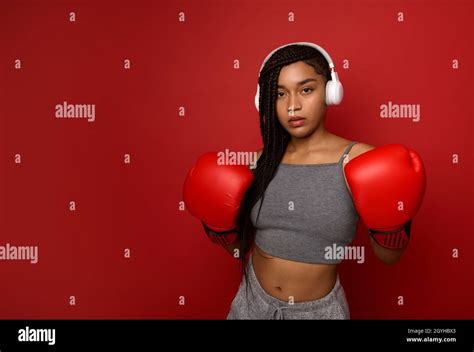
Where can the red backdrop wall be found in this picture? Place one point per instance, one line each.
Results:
(204, 56)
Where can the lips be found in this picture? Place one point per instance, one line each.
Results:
(295, 118)
(296, 121)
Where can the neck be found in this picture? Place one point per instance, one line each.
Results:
(317, 140)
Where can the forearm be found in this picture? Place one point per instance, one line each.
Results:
(233, 248)
(386, 255)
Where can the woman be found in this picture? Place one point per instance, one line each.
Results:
(305, 195)
(307, 205)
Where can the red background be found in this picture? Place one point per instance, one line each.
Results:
(191, 64)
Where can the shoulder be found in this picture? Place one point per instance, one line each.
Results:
(359, 149)
(356, 150)
(259, 152)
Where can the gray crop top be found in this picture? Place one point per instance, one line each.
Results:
(306, 208)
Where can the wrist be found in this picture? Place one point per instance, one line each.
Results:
(395, 239)
(221, 237)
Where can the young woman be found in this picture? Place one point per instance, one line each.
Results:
(297, 203)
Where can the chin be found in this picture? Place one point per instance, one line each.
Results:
(301, 133)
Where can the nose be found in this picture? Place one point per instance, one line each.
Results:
(293, 104)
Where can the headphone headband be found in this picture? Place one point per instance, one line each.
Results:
(317, 47)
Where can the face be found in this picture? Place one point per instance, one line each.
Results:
(303, 90)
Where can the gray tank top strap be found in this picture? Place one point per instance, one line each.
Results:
(347, 150)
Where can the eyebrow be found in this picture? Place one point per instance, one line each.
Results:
(302, 82)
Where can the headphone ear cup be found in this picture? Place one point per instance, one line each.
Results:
(257, 97)
(334, 92)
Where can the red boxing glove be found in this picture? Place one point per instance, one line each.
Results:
(388, 185)
(213, 194)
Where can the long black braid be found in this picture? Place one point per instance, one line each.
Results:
(275, 138)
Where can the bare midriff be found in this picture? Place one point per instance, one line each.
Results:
(290, 280)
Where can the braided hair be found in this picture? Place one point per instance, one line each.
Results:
(275, 137)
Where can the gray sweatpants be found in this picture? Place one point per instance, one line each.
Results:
(258, 304)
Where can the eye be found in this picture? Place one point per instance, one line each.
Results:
(307, 92)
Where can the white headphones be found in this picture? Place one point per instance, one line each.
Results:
(334, 90)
